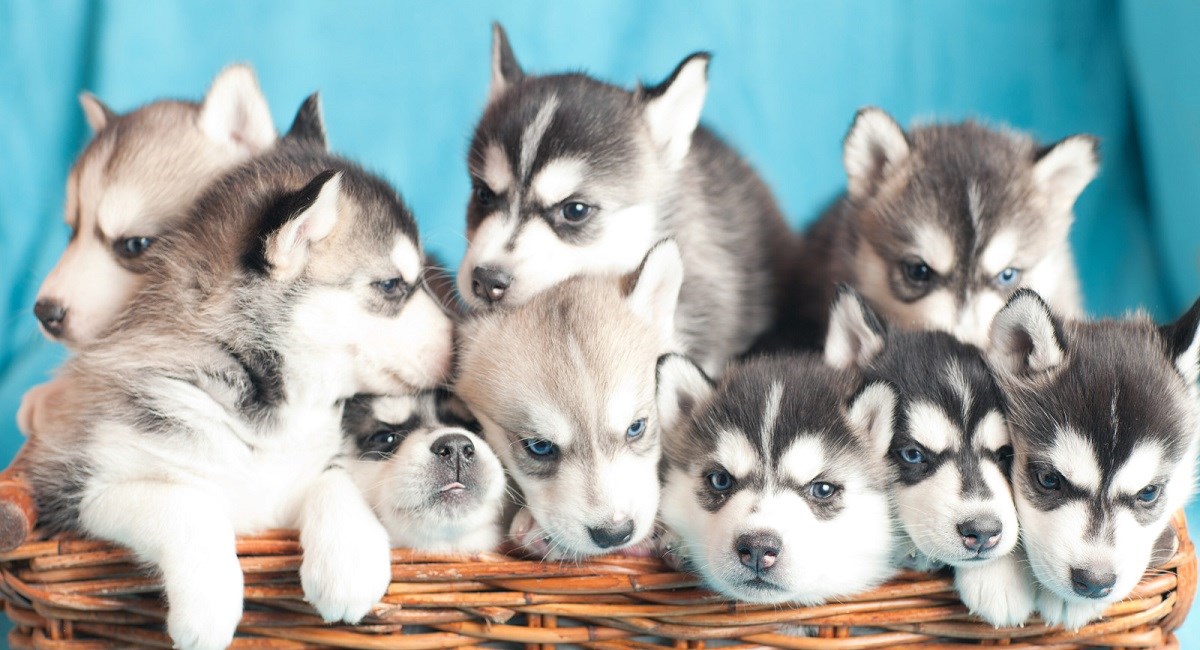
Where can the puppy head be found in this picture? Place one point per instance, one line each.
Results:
(132, 183)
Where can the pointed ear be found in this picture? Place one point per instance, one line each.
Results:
(1026, 339)
(680, 386)
(856, 334)
(313, 215)
(505, 69)
(652, 291)
(96, 112)
(1182, 339)
(1063, 169)
(673, 107)
(873, 149)
(235, 111)
(309, 123)
(872, 414)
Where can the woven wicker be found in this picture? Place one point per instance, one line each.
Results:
(75, 594)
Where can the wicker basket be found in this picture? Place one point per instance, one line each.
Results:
(76, 594)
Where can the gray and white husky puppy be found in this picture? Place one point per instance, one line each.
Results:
(564, 388)
(940, 224)
(776, 486)
(572, 176)
(1105, 418)
(950, 452)
(435, 484)
(212, 406)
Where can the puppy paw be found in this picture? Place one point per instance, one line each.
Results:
(1068, 615)
(32, 413)
(527, 535)
(204, 609)
(346, 569)
(1000, 592)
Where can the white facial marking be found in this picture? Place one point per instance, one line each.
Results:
(1073, 456)
(558, 180)
(393, 410)
(407, 260)
(1142, 468)
(999, 253)
(736, 454)
(622, 406)
(771, 413)
(496, 171)
(804, 460)
(930, 426)
(975, 318)
(531, 139)
(547, 422)
(974, 201)
(119, 212)
(936, 249)
(959, 384)
(992, 431)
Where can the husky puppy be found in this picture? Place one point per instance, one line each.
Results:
(950, 452)
(575, 176)
(776, 484)
(433, 482)
(1105, 419)
(940, 224)
(212, 406)
(564, 388)
(134, 182)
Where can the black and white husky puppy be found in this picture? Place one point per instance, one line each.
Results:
(435, 484)
(940, 224)
(776, 486)
(212, 406)
(575, 176)
(950, 452)
(1105, 419)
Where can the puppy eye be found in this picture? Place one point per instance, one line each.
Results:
(1049, 480)
(381, 441)
(822, 490)
(391, 287)
(1149, 494)
(636, 429)
(720, 480)
(540, 448)
(132, 246)
(576, 212)
(1008, 277)
(917, 271)
(484, 195)
(911, 455)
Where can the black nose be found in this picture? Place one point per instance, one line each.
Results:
(758, 551)
(489, 284)
(454, 449)
(52, 315)
(981, 533)
(608, 537)
(1092, 585)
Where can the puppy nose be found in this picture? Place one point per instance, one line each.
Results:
(52, 315)
(610, 536)
(454, 448)
(758, 551)
(981, 533)
(1091, 584)
(489, 284)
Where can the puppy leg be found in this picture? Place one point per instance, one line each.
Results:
(185, 534)
(1071, 616)
(1001, 592)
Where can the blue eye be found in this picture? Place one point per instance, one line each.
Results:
(720, 480)
(911, 455)
(1149, 494)
(1050, 480)
(133, 246)
(822, 490)
(576, 211)
(1008, 277)
(636, 429)
(390, 286)
(540, 447)
(917, 271)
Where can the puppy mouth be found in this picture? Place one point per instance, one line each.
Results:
(757, 583)
(453, 486)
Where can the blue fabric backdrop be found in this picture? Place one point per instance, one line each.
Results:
(403, 83)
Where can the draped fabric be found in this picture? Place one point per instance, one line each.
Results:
(403, 83)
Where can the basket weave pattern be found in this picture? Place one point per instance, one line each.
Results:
(75, 594)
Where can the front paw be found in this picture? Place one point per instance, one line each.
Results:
(1000, 592)
(346, 569)
(527, 535)
(204, 609)
(1069, 615)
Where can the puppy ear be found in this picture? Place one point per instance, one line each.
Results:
(872, 415)
(680, 386)
(1063, 169)
(506, 71)
(856, 334)
(652, 291)
(873, 149)
(96, 112)
(313, 214)
(673, 107)
(236, 113)
(1026, 339)
(309, 123)
(1182, 339)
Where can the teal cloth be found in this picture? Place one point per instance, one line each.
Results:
(403, 83)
